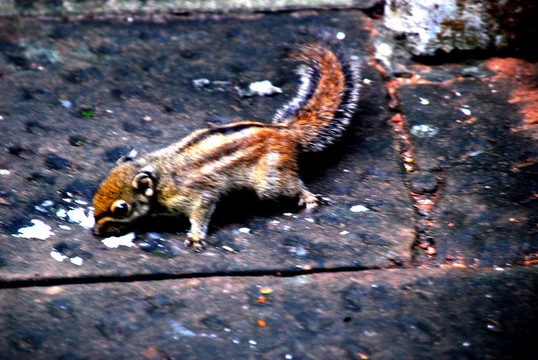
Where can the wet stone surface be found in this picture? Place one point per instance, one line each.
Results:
(391, 314)
(79, 95)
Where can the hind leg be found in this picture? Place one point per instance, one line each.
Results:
(309, 200)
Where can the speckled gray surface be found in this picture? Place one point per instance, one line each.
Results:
(76, 95)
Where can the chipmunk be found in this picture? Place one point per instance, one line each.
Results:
(189, 177)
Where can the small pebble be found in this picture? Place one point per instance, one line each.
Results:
(430, 250)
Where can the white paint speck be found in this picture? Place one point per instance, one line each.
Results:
(77, 260)
(252, 342)
(236, 341)
(466, 344)
(310, 220)
(64, 227)
(288, 357)
(358, 208)
(61, 213)
(79, 216)
(424, 101)
(340, 35)
(132, 154)
(66, 103)
(5, 172)
(344, 233)
(58, 256)
(117, 241)
(39, 230)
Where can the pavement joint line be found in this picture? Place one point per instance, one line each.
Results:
(421, 203)
(51, 282)
(86, 280)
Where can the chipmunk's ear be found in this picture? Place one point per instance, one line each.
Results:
(144, 181)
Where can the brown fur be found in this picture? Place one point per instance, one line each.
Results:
(189, 177)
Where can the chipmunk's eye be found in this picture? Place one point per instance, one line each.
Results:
(120, 208)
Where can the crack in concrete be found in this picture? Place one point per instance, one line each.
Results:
(423, 201)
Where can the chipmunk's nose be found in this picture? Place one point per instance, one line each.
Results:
(106, 229)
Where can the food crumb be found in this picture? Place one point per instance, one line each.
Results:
(430, 250)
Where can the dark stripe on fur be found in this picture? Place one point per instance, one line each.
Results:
(222, 130)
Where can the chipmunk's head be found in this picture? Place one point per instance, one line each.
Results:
(123, 197)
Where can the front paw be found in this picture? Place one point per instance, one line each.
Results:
(195, 241)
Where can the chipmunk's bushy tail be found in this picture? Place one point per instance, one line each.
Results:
(327, 96)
